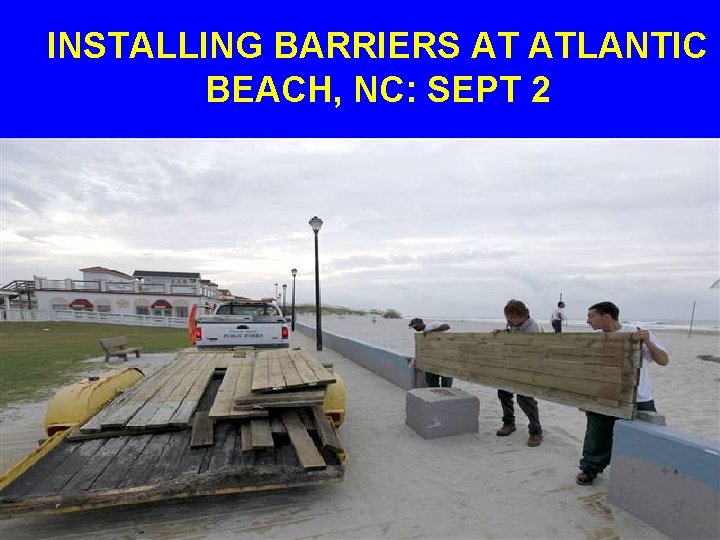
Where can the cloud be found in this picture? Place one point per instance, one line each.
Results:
(427, 226)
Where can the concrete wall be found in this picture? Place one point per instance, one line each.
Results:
(387, 364)
(668, 479)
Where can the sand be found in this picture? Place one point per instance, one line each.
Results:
(398, 485)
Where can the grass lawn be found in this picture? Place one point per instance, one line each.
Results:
(35, 356)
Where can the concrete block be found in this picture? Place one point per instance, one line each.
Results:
(441, 412)
(668, 479)
(652, 417)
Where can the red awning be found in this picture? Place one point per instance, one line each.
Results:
(80, 303)
(161, 304)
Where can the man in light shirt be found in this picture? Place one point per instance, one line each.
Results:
(558, 317)
(518, 319)
(597, 447)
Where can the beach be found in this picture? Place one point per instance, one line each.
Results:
(398, 485)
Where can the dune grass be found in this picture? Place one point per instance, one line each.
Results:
(38, 356)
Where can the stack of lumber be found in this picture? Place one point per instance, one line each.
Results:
(166, 400)
(596, 371)
(279, 393)
(157, 440)
(272, 379)
(270, 395)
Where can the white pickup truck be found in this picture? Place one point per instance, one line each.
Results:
(243, 323)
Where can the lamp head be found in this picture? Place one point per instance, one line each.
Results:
(293, 272)
(316, 223)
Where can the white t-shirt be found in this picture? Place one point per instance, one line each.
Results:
(432, 325)
(644, 392)
(557, 315)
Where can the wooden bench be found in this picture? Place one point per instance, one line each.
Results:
(117, 346)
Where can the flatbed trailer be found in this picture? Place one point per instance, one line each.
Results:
(97, 462)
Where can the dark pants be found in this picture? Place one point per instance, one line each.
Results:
(557, 325)
(437, 381)
(528, 405)
(597, 447)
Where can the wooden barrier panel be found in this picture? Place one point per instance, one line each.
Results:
(595, 371)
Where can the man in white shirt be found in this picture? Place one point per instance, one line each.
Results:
(558, 317)
(433, 380)
(597, 447)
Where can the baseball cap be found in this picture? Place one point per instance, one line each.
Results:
(415, 322)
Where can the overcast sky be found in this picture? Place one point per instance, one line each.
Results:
(427, 227)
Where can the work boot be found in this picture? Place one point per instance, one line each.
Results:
(506, 430)
(535, 439)
(585, 478)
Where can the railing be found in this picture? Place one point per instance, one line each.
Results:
(152, 289)
(86, 285)
(57, 284)
(18, 315)
(120, 287)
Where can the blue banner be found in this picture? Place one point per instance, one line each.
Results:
(327, 69)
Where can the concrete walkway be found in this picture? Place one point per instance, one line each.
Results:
(397, 485)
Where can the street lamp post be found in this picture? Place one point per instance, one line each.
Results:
(276, 293)
(316, 223)
(284, 291)
(292, 324)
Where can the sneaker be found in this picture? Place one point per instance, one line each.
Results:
(535, 439)
(506, 430)
(585, 478)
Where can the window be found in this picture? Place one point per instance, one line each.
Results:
(181, 311)
(59, 307)
(103, 308)
(142, 310)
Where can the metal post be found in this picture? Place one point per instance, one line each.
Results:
(292, 325)
(316, 223)
(318, 306)
(692, 318)
(284, 291)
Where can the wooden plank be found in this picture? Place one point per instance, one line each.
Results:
(118, 417)
(116, 414)
(246, 436)
(172, 402)
(304, 371)
(243, 384)
(326, 430)
(277, 427)
(224, 397)
(202, 431)
(322, 374)
(281, 399)
(115, 473)
(591, 388)
(290, 372)
(156, 404)
(184, 412)
(261, 434)
(596, 371)
(261, 373)
(304, 447)
(306, 419)
(276, 381)
(94, 467)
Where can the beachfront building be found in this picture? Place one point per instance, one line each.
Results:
(153, 293)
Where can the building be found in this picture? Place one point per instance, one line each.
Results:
(156, 293)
